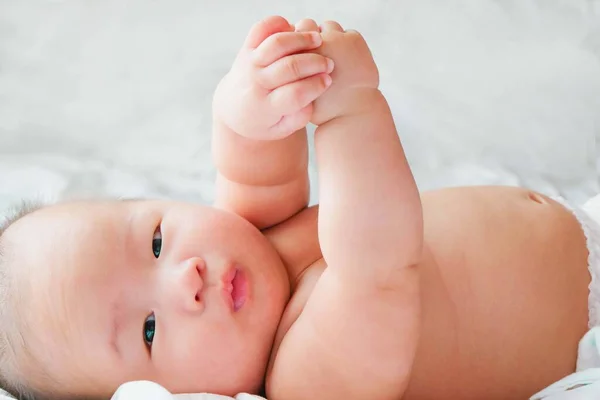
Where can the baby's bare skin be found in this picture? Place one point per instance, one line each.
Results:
(454, 294)
(503, 291)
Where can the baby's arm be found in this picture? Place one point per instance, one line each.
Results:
(260, 112)
(357, 335)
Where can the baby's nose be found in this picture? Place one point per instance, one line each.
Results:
(188, 283)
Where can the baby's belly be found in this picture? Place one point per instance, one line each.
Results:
(504, 295)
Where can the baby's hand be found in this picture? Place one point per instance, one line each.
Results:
(268, 92)
(355, 75)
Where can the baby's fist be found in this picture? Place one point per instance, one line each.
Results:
(355, 74)
(268, 92)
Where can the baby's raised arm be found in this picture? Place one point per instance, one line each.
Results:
(260, 111)
(357, 335)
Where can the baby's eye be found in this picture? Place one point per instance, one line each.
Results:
(149, 329)
(157, 242)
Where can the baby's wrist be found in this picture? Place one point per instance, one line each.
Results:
(363, 101)
(350, 102)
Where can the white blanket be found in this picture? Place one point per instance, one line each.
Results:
(144, 390)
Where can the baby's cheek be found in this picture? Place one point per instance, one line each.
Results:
(179, 368)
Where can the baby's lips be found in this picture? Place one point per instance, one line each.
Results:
(234, 287)
(240, 289)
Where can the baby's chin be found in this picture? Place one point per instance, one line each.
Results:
(252, 373)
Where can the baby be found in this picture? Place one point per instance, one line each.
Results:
(378, 293)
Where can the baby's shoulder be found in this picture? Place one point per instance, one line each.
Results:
(297, 243)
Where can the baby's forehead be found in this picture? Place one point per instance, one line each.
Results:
(78, 230)
(74, 212)
(61, 249)
(61, 229)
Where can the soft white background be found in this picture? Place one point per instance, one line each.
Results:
(113, 97)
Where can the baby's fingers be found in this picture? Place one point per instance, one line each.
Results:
(283, 44)
(293, 68)
(291, 123)
(331, 26)
(295, 96)
(306, 25)
(265, 28)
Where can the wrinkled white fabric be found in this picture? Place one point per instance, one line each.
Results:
(146, 390)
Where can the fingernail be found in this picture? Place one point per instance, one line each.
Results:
(315, 37)
(330, 65)
(327, 80)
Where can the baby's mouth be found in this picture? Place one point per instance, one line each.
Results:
(237, 288)
(240, 289)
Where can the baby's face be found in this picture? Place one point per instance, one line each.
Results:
(184, 295)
